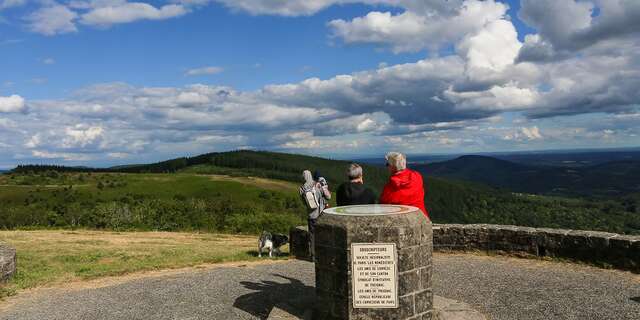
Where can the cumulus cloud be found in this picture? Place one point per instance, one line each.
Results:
(13, 103)
(524, 133)
(565, 26)
(203, 71)
(52, 19)
(126, 12)
(416, 30)
(81, 136)
(282, 8)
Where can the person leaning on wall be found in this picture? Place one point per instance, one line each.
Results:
(405, 186)
(354, 192)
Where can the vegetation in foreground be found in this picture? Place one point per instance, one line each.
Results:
(49, 257)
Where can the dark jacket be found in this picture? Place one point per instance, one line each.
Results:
(350, 193)
(405, 187)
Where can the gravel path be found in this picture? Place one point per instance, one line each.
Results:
(503, 288)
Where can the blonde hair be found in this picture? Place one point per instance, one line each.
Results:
(396, 159)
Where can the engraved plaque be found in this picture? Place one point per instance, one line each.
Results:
(374, 275)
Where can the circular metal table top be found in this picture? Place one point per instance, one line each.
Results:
(370, 210)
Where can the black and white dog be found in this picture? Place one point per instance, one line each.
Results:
(273, 242)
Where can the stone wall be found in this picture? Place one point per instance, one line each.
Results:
(606, 249)
(7, 262)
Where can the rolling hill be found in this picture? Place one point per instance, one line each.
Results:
(179, 199)
(606, 179)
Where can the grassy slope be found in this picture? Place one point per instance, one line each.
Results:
(55, 257)
(162, 186)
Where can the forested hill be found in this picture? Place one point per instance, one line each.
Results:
(606, 179)
(273, 165)
(448, 200)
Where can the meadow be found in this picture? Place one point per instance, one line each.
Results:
(159, 202)
(55, 257)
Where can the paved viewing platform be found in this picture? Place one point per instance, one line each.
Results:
(497, 286)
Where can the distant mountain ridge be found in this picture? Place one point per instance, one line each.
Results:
(606, 179)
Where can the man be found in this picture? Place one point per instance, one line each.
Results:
(354, 192)
(405, 186)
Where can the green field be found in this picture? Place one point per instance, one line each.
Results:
(170, 202)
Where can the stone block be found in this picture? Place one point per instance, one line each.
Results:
(330, 257)
(362, 234)
(476, 237)
(299, 243)
(424, 301)
(8, 262)
(324, 235)
(425, 278)
(550, 241)
(408, 282)
(407, 259)
(407, 306)
(409, 236)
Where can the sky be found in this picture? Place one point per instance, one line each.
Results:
(109, 82)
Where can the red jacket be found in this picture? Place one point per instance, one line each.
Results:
(405, 187)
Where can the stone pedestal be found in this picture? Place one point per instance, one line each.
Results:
(391, 236)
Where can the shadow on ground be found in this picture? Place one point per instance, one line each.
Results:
(292, 296)
(636, 299)
(265, 254)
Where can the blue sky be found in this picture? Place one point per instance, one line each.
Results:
(103, 82)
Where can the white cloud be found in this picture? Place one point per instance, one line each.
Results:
(118, 155)
(34, 141)
(491, 49)
(13, 103)
(567, 26)
(126, 12)
(81, 136)
(52, 19)
(48, 61)
(282, 8)
(203, 71)
(416, 30)
(61, 155)
(524, 134)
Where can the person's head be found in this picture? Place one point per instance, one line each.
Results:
(316, 175)
(308, 178)
(396, 161)
(354, 172)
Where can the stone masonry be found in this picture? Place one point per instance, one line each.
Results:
(608, 249)
(7, 262)
(411, 232)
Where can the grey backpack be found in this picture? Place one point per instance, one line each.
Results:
(309, 197)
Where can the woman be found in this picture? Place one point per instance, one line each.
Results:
(405, 186)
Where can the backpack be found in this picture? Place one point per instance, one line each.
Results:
(309, 198)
